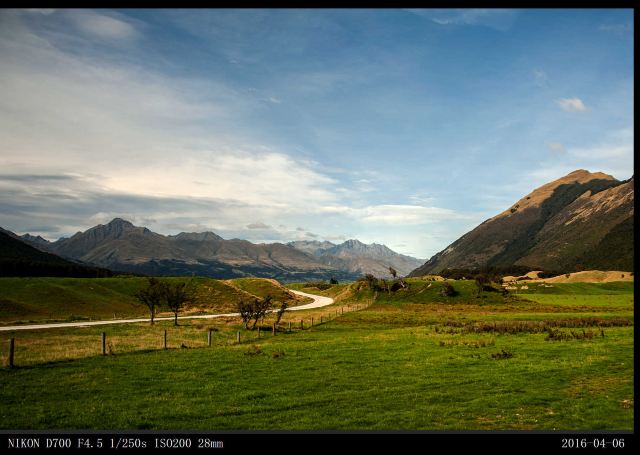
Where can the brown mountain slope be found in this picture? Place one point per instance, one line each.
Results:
(583, 228)
(566, 223)
(123, 246)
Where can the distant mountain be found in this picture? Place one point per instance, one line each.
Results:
(358, 258)
(312, 247)
(121, 245)
(34, 240)
(582, 220)
(17, 258)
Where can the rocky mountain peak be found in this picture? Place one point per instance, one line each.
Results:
(196, 236)
(35, 239)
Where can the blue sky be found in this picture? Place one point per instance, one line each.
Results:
(402, 127)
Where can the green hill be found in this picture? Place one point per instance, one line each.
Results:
(64, 299)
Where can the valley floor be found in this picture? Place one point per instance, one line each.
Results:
(544, 361)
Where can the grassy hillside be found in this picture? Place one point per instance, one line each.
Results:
(66, 299)
(261, 287)
(564, 362)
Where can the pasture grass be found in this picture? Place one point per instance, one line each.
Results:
(403, 364)
(29, 300)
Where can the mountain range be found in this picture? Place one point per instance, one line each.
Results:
(119, 245)
(583, 220)
(358, 258)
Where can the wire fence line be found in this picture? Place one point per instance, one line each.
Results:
(104, 343)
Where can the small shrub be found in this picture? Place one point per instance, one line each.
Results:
(447, 290)
(503, 354)
(558, 335)
(320, 284)
(253, 351)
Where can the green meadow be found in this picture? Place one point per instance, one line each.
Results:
(550, 358)
(41, 300)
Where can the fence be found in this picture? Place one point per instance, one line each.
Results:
(103, 344)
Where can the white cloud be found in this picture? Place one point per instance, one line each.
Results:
(572, 104)
(102, 25)
(43, 11)
(617, 146)
(397, 214)
(556, 147)
(613, 155)
(496, 18)
(270, 180)
(618, 29)
(258, 225)
(406, 214)
(138, 132)
(540, 77)
(272, 100)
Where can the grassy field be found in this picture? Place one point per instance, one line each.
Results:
(411, 360)
(25, 300)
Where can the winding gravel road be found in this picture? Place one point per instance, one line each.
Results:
(318, 302)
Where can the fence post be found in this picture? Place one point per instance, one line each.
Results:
(289, 326)
(258, 331)
(321, 319)
(274, 329)
(12, 345)
(209, 338)
(301, 324)
(104, 343)
(165, 338)
(238, 336)
(311, 322)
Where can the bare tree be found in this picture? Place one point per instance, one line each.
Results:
(254, 310)
(393, 272)
(246, 312)
(152, 296)
(481, 281)
(385, 286)
(260, 308)
(176, 295)
(280, 312)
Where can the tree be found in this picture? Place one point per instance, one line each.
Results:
(176, 295)
(481, 281)
(384, 285)
(246, 312)
(261, 306)
(393, 272)
(371, 280)
(254, 310)
(152, 296)
(447, 290)
(280, 312)
(333, 281)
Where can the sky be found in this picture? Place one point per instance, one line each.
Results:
(401, 127)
